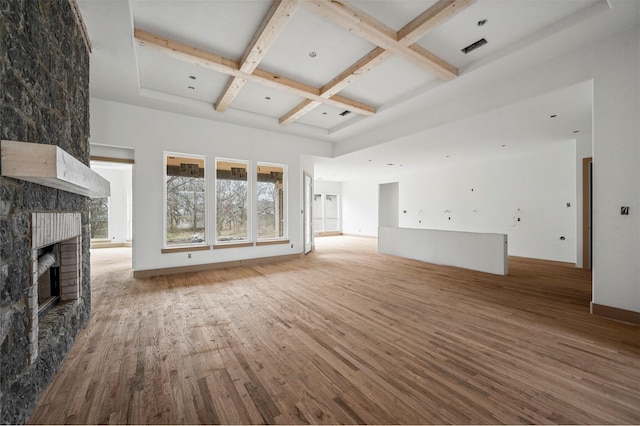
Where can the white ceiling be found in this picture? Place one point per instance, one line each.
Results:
(122, 70)
(511, 130)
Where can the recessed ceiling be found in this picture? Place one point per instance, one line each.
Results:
(126, 70)
(226, 29)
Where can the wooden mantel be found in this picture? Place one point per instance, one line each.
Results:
(51, 166)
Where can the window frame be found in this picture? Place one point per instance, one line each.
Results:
(169, 248)
(249, 241)
(285, 205)
(105, 239)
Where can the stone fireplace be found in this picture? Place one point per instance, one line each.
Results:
(44, 75)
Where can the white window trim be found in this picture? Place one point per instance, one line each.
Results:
(285, 203)
(250, 204)
(166, 154)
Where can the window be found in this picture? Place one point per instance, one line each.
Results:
(326, 213)
(99, 214)
(185, 191)
(271, 201)
(318, 213)
(331, 216)
(232, 201)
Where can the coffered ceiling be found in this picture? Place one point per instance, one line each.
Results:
(324, 69)
(348, 58)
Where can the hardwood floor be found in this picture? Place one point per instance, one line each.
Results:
(346, 335)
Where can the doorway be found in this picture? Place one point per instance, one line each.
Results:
(308, 213)
(111, 218)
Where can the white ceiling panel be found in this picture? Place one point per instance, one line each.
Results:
(265, 100)
(394, 14)
(326, 117)
(162, 73)
(224, 27)
(336, 49)
(387, 82)
(507, 22)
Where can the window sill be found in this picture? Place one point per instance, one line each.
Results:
(272, 242)
(231, 245)
(184, 249)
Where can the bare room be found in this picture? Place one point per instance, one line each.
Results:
(320, 212)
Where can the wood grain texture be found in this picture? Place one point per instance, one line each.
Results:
(376, 32)
(193, 55)
(51, 166)
(272, 24)
(345, 335)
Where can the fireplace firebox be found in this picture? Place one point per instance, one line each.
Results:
(56, 258)
(48, 279)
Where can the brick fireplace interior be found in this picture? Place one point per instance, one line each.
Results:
(44, 72)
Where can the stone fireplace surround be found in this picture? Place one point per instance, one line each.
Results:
(44, 75)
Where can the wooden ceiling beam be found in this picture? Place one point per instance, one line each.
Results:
(437, 14)
(271, 26)
(300, 110)
(348, 76)
(440, 12)
(379, 34)
(223, 65)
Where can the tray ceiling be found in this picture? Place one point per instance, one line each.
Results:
(279, 58)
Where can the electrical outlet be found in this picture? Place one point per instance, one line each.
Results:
(291, 245)
(188, 255)
(624, 210)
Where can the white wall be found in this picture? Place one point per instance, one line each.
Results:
(150, 133)
(326, 187)
(360, 208)
(120, 178)
(616, 172)
(485, 197)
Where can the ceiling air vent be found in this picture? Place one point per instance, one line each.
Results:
(474, 46)
(345, 112)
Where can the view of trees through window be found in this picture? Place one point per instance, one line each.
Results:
(270, 195)
(232, 201)
(185, 209)
(99, 217)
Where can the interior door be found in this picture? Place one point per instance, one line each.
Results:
(308, 213)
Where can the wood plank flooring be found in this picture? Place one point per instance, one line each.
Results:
(346, 335)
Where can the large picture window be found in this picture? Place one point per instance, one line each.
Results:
(232, 201)
(185, 190)
(271, 201)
